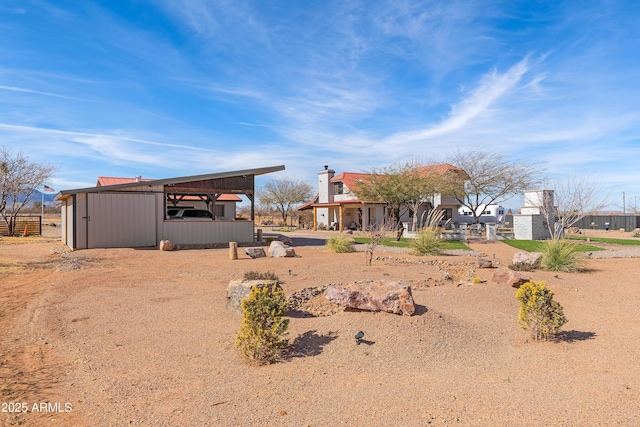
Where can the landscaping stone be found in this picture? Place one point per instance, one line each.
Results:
(255, 252)
(511, 278)
(390, 297)
(532, 258)
(484, 263)
(166, 245)
(278, 249)
(238, 289)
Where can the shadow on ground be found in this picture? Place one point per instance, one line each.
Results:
(573, 336)
(307, 241)
(310, 343)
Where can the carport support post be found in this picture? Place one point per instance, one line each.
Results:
(259, 237)
(315, 219)
(233, 250)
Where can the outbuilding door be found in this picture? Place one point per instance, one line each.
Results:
(121, 220)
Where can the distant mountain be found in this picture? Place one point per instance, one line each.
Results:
(48, 199)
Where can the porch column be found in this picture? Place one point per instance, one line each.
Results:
(341, 213)
(315, 218)
(365, 218)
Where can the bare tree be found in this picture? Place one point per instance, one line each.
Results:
(19, 179)
(377, 233)
(573, 198)
(490, 178)
(283, 193)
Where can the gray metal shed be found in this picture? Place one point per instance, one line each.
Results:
(135, 214)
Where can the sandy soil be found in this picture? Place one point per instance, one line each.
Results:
(141, 337)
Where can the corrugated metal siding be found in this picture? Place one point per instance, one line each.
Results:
(80, 220)
(63, 221)
(119, 220)
(201, 232)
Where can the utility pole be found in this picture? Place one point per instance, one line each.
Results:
(624, 205)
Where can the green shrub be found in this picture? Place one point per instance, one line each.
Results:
(261, 336)
(339, 244)
(428, 242)
(539, 313)
(258, 275)
(560, 255)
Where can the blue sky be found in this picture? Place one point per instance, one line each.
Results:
(170, 88)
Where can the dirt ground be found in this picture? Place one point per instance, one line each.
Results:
(142, 337)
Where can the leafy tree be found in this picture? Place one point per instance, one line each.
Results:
(489, 178)
(400, 186)
(283, 193)
(19, 179)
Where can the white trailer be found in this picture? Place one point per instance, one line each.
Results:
(489, 214)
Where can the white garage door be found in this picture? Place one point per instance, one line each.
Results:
(121, 220)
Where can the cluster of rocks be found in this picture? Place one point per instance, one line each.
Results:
(516, 279)
(276, 249)
(312, 302)
(390, 297)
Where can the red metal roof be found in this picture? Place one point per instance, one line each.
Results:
(351, 178)
(110, 180)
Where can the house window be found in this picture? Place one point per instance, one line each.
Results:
(338, 188)
(486, 213)
(447, 214)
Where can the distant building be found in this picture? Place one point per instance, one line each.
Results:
(530, 223)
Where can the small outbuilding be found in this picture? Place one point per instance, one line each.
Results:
(136, 214)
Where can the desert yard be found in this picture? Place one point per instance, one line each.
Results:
(142, 337)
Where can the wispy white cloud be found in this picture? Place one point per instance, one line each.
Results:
(97, 136)
(37, 92)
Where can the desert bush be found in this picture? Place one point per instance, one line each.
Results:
(476, 280)
(259, 275)
(524, 266)
(636, 233)
(560, 255)
(539, 313)
(261, 336)
(427, 242)
(339, 244)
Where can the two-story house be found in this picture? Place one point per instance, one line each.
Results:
(336, 207)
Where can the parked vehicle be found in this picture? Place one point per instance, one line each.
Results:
(188, 213)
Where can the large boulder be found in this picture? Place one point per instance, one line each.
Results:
(238, 289)
(167, 245)
(391, 297)
(509, 277)
(255, 252)
(532, 258)
(278, 249)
